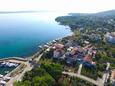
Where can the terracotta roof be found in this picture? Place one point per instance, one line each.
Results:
(74, 50)
(113, 74)
(58, 46)
(88, 58)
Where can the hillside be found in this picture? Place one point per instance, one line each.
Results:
(104, 20)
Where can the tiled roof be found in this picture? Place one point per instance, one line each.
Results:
(74, 50)
(113, 74)
(58, 46)
(88, 58)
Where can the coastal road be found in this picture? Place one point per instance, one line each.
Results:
(20, 76)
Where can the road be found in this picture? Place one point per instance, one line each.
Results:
(20, 76)
(106, 74)
(84, 78)
(80, 67)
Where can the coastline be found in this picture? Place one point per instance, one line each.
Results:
(47, 43)
(24, 62)
(36, 53)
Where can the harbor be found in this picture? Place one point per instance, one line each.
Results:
(17, 66)
(9, 67)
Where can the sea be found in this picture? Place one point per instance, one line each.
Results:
(22, 33)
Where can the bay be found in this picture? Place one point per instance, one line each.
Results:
(22, 33)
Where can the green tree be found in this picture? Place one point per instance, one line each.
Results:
(45, 80)
(55, 70)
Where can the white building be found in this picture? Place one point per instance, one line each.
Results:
(110, 37)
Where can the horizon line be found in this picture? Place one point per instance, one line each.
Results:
(34, 11)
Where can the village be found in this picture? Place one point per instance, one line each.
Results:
(72, 54)
(78, 61)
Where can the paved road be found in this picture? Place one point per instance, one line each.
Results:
(19, 76)
(106, 74)
(84, 78)
(80, 67)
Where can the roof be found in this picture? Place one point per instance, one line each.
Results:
(80, 49)
(113, 74)
(94, 51)
(86, 42)
(112, 34)
(88, 58)
(58, 46)
(74, 50)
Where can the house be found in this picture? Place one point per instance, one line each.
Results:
(69, 43)
(113, 77)
(71, 57)
(110, 37)
(71, 60)
(88, 61)
(95, 37)
(58, 51)
(88, 58)
(74, 54)
(58, 46)
(74, 51)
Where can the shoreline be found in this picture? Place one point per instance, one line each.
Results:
(47, 43)
(36, 53)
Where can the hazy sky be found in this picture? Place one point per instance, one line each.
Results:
(57, 5)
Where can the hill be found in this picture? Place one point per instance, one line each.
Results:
(104, 20)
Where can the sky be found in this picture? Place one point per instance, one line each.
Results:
(80, 6)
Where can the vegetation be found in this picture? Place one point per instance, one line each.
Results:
(86, 27)
(103, 21)
(80, 82)
(74, 81)
(46, 75)
(93, 72)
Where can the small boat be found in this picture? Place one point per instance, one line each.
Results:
(40, 46)
(2, 82)
(7, 78)
(1, 76)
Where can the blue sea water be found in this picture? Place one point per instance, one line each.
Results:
(22, 33)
